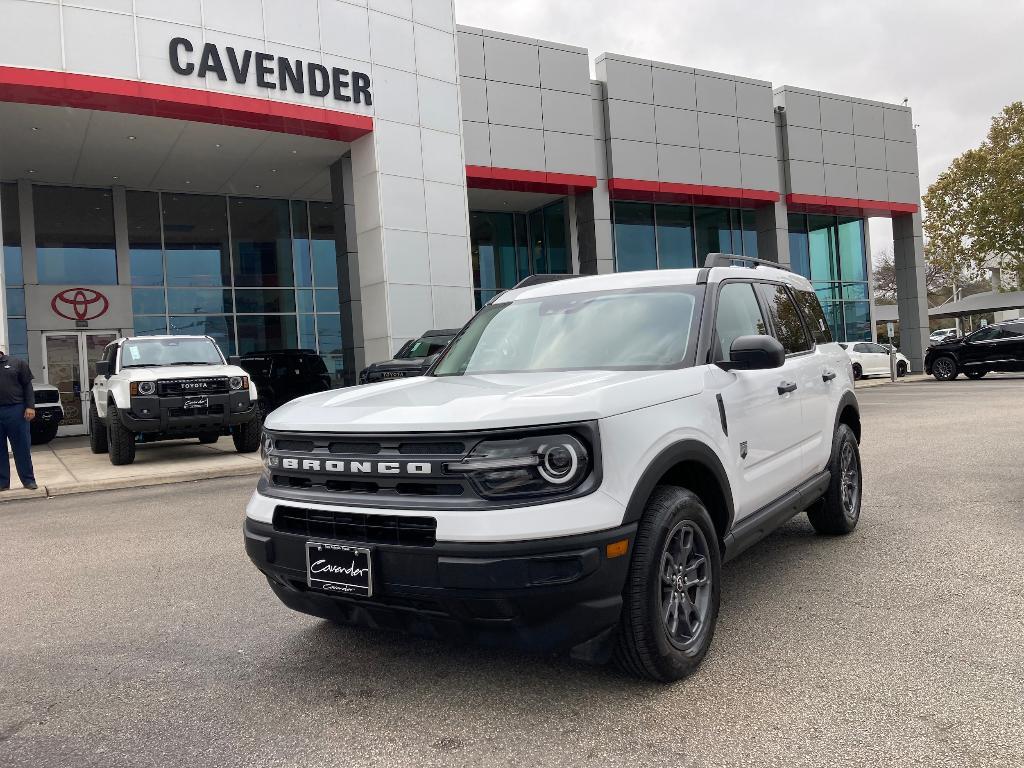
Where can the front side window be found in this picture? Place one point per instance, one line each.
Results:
(640, 329)
(785, 317)
(738, 314)
(148, 353)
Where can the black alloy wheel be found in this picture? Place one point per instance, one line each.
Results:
(944, 368)
(685, 584)
(901, 369)
(858, 372)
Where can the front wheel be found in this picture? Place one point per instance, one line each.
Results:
(97, 431)
(246, 437)
(120, 439)
(42, 435)
(944, 369)
(975, 374)
(838, 511)
(673, 590)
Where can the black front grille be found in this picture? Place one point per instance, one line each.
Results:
(356, 527)
(47, 396)
(204, 386)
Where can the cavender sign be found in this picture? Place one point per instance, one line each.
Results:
(273, 72)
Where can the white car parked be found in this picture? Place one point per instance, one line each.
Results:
(941, 335)
(873, 360)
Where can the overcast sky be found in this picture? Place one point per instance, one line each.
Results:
(959, 63)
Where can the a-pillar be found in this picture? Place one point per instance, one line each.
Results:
(911, 292)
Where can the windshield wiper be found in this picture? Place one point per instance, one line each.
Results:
(142, 365)
(193, 362)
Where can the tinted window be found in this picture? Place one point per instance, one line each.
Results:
(75, 236)
(738, 314)
(863, 348)
(987, 333)
(814, 315)
(785, 317)
(1013, 329)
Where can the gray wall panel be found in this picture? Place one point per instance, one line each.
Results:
(754, 101)
(900, 156)
(676, 126)
(569, 153)
(871, 184)
(716, 95)
(840, 181)
(720, 169)
(630, 120)
(759, 172)
(838, 148)
(804, 144)
(679, 164)
(516, 105)
(674, 88)
(634, 159)
(627, 81)
(517, 148)
(471, 54)
(757, 137)
(511, 62)
(562, 70)
(473, 93)
(870, 152)
(867, 120)
(567, 112)
(836, 115)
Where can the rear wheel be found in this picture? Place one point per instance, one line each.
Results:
(838, 511)
(858, 372)
(97, 431)
(901, 369)
(120, 439)
(944, 368)
(673, 589)
(975, 374)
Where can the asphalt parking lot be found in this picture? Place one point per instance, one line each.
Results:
(136, 633)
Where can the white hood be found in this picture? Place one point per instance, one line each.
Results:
(166, 372)
(484, 402)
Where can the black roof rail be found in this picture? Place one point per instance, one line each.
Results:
(440, 332)
(530, 280)
(729, 259)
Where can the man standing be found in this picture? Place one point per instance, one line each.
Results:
(17, 409)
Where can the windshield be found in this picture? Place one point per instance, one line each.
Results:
(426, 347)
(149, 353)
(639, 329)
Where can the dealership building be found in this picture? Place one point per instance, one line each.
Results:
(343, 176)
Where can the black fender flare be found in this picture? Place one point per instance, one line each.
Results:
(848, 399)
(684, 450)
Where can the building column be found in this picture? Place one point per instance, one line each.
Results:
(343, 216)
(773, 233)
(911, 293)
(4, 336)
(412, 235)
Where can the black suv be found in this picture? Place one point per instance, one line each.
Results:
(281, 375)
(413, 359)
(997, 347)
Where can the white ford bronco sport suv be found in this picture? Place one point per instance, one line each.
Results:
(150, 388)
(572, 472)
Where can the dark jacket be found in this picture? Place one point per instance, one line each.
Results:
(16, 382)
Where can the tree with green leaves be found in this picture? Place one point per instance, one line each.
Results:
(975, 208)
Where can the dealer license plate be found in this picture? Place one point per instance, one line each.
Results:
(195, 403)
(339, 568)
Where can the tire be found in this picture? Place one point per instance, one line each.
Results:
(944, 368)
(208, 438)
(646, 646)
(838, 511)
(246, 437)
(901, 369)
(97, 431)
(43, 435)
(975, 374)
(120, 439)
(858, 372)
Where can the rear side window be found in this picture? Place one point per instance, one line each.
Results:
(785, 317)
(814, 315)
(738, 314)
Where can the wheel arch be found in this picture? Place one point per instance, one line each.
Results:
(695, 466)
(848, 413)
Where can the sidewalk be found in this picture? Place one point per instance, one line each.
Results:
(877, 381)
(67, 466)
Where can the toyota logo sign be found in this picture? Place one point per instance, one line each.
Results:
(80, 304)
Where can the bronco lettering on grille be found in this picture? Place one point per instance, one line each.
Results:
(359, 467)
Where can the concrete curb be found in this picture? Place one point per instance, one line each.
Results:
(910, 378)
(117, 483)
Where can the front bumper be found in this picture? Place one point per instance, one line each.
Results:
(550, 595)
(167, 414)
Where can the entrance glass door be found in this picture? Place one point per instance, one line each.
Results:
(71, 358)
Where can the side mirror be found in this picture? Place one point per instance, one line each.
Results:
(102, 368)
(235, 360)
(754, 353)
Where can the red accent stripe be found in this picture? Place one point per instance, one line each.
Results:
(517, 180)
(674, 192)
(846, 205)
(60, 89)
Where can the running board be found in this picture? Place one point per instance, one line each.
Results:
(752, 529)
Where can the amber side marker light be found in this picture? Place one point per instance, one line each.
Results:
(617, 549)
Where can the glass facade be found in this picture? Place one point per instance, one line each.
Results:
(830, 251)
(664, 236)
(506, 247)
(255, 274)
(74, 236)
(14, 273)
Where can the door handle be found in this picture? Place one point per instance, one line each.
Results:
(786, 387)
(827, 376)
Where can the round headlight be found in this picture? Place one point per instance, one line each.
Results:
(147, 387)
(235, 382)
(558, 463)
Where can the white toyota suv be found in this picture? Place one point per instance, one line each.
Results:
(572, 472)
(150, 388)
